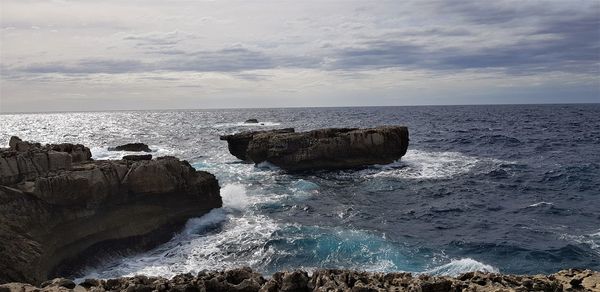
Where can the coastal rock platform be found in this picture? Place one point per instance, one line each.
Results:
(59, 208)
(333, 148)
(244, 279)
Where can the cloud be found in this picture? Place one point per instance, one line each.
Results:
(568, 43)
(86, 66)
(225, 60)
(322, 49)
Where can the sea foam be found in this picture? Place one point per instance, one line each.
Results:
(457, 267)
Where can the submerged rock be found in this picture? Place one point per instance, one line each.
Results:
(321, 149)
(133, 147)
(58, 208)
(138, 157)
(244, 279)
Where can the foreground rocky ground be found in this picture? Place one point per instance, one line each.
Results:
(59, 208)
(245, 279)
(335, 148)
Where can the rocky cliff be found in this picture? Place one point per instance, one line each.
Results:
(321, 149)
(246, 280)
(59, 207)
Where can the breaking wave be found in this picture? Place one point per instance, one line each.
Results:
(418, 164)
(457, 267)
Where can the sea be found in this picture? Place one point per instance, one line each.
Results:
(499, 188)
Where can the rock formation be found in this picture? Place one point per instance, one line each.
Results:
(58, 207)
(244, 279)
(238, 143)
(251, 121)
(134, 147)
(321, 149)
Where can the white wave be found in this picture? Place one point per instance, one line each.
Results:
(431, 165)
(457, 267)
(541, 204)
(240, 242)
(265, 165)
(592, 240)
(242, 124)
(304, 185)
(214, 217)
(102, 153)
(200, 165)
(235, 197)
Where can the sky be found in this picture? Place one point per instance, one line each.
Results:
(182, 54)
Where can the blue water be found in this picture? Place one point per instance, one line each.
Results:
(511, 188)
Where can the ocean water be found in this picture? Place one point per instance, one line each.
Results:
(511, 188)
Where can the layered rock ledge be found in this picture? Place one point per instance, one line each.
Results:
(58, 207)
(245, 279)
(335, 148)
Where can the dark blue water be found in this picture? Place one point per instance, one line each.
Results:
(514, 188)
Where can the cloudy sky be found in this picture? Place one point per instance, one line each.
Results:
(162, 54)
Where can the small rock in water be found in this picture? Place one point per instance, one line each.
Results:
(134, 147)
(251, 121)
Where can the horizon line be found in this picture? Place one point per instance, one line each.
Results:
(285, 107)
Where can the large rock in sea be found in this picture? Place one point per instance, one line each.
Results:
(59, 208)
(335, 148)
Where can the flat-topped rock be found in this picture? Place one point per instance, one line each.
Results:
(335, 148)
(56, 212)
(133, 147)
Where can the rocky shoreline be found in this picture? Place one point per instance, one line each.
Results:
(247, 280)
(59, 208)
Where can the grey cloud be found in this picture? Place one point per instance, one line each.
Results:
(225, 60)
(155, 38)
(483, 15)
(491, 12)
(235, 60)
(87, 66)
(570, 43)
(379, 54)
(167, 52)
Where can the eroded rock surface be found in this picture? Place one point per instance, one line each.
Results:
(238, 143)
(335, 148)
(57, 205)
(244, 279)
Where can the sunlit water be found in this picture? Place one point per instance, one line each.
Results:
(514, 189)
